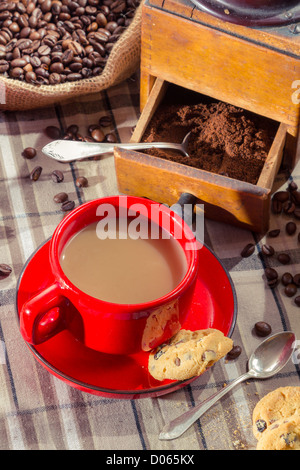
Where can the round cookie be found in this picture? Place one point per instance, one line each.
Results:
(282, 435)
(188, 354)
(284, 402)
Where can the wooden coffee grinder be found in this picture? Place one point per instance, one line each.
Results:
(246, 53)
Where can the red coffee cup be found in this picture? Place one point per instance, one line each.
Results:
(105, 326)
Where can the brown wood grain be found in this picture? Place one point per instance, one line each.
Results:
(224, 67)
(276, 37)
(224, 199)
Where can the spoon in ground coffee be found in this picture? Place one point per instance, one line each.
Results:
(267, 360)
(68, 151)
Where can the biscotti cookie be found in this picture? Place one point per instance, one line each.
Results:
(282, 435)
(284, 402)
(188, 354)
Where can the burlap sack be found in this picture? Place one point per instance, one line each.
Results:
(123, 61)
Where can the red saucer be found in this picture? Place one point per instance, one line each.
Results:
(214, 306)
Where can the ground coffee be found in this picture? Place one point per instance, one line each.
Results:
(225, 139)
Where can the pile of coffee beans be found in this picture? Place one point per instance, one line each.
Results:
(95, 133)
(286, 203)
(57, 176)
(47, 42)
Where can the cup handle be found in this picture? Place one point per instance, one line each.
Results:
(178, 207)
(41, 316)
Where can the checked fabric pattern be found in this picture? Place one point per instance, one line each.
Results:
(37, 410)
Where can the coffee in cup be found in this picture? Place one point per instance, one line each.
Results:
(122, 269)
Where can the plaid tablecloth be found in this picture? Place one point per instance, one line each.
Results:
(38, 410)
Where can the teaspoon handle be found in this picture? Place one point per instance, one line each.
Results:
(66, 151)
(179, 425)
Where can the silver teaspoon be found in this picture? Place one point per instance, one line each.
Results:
(268, 359)
(68, 151)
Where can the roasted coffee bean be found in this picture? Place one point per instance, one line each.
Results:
(17, 72)
(56, 67)
(296, 279)
(4, 66)
(297, 300)
(109, 46)
(297, 213)
(101, 36)
(292, 186)
(5, 270)
(271, 274)
(75, 67)
(98, 135)
(290, 228)
(281, 196)
(111, 138)
(5, 15)
(72, 129)
(30, 77)
(267, 250)
(54, 78)
(76, 47)
(50, 40)
(286, 279)
(276, 206)
(2, 51)
(67, 206)
(53, 132)
(118, 6)
(57, 176)
(29, 153)
(105, 121)
(234, 353)
(288, 207)
(23, 43)
(101, 20)
(41, 72)
(92, 127)
(290, 290)
(35, 61)
(274, 233)
(272, 283)
(248, 250)
(28, 68)
(67, 57)
(295, 197)
(46, 5)
(60, 198)
(73, 77)
(81, 182)
(18, 62)
(262, 328)
(284, 258)
(36, 173)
